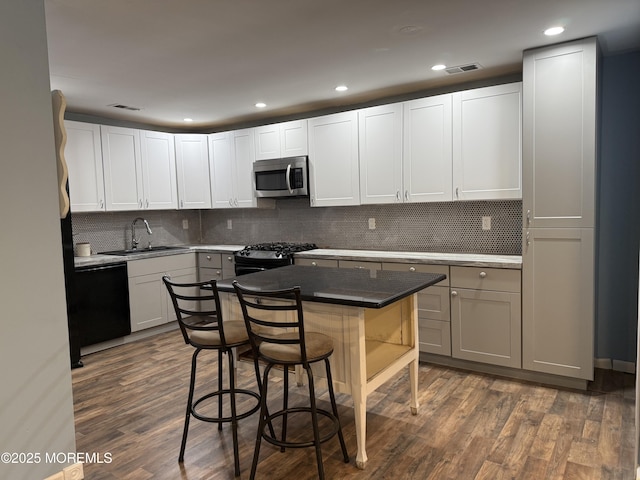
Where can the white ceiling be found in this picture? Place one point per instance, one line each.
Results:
(212, 60)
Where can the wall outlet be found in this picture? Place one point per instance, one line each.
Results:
(229, 224)
(372, 224)
(486, 223)
(185, 224)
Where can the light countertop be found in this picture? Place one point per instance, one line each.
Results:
(433, 258)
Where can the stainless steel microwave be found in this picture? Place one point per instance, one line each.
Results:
(281, 177)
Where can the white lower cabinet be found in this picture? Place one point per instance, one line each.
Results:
(215, 266)
(558, 301)
(486, 315)
(434, 327)
(149, 302)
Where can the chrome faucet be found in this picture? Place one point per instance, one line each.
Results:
(135, 241)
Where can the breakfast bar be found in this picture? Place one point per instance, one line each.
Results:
(370, 315)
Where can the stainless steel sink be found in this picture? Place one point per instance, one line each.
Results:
(138, 251)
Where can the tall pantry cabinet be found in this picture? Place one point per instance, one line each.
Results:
(559, 205)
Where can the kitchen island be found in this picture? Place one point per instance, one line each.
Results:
(370, 315)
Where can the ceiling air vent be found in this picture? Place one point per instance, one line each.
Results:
(463, 68)
(124, 107)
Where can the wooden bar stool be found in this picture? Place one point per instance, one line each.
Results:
(280, 339)
(197, 307)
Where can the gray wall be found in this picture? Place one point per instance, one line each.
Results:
(619, 192)
(36, 403)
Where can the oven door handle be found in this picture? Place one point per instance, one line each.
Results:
(288, 175)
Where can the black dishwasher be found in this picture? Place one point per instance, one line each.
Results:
(102, 296)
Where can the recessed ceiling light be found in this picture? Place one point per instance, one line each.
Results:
(553, 31)
(438, 67)
(261, 105)
(188, 119)
(342, 88)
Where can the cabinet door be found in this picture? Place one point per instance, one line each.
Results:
(122, 168)
(559, 143)
(487, 146)
(333, 160)
(294, 138)
(267, 138)
(83, 154)
(243, 158)
(221, 158)
(380, 146)
(159, 171)
(192, 161)
(427, 160)
(558, 301)
(147, 301)
(486, 326)
(185, 275)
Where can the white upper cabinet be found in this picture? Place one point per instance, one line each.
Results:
(158, 171)
(487, 145)
(244, 156)
(83, 154)
(232, 155)
(192, 163)
(280, 140)
(122, 168)
(333, 160)
(222, 169)
(427, 137)
(560, 135)
(380, 146)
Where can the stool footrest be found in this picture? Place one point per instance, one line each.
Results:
(220, 393)
(311, 443)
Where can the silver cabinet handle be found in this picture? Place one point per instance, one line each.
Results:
(406, 195)
(230, 259)
(139, 203)
(483, 274)
(528, 239)
(412, 269)
(454, 293)
(528, 217)
(314, 264)
(181, 203)
(457, 192)
(101, 203)
(235, 202)
(208, 257)
(146, 203)
(231, 202)
(288, 179)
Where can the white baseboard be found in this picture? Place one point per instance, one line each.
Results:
(617, 365)
(626, 367)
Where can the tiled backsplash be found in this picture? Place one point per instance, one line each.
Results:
(112, 230)
(424, 227)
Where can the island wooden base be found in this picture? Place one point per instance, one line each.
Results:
(371, 346)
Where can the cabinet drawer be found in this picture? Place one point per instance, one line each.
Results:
(421, 268)
(359, 264)
(209, 260)
(147, 266)
(434, 337)
(206, 274)
(477, 278)
(320, 262)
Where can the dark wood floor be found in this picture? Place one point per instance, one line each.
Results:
(130, 401)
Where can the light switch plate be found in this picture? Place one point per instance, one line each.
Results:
(372, 224)
(185, 224)
(229, 224)
(486, 223)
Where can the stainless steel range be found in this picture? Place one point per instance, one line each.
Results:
(264, 256)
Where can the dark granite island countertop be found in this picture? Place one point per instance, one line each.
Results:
(342, 286)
